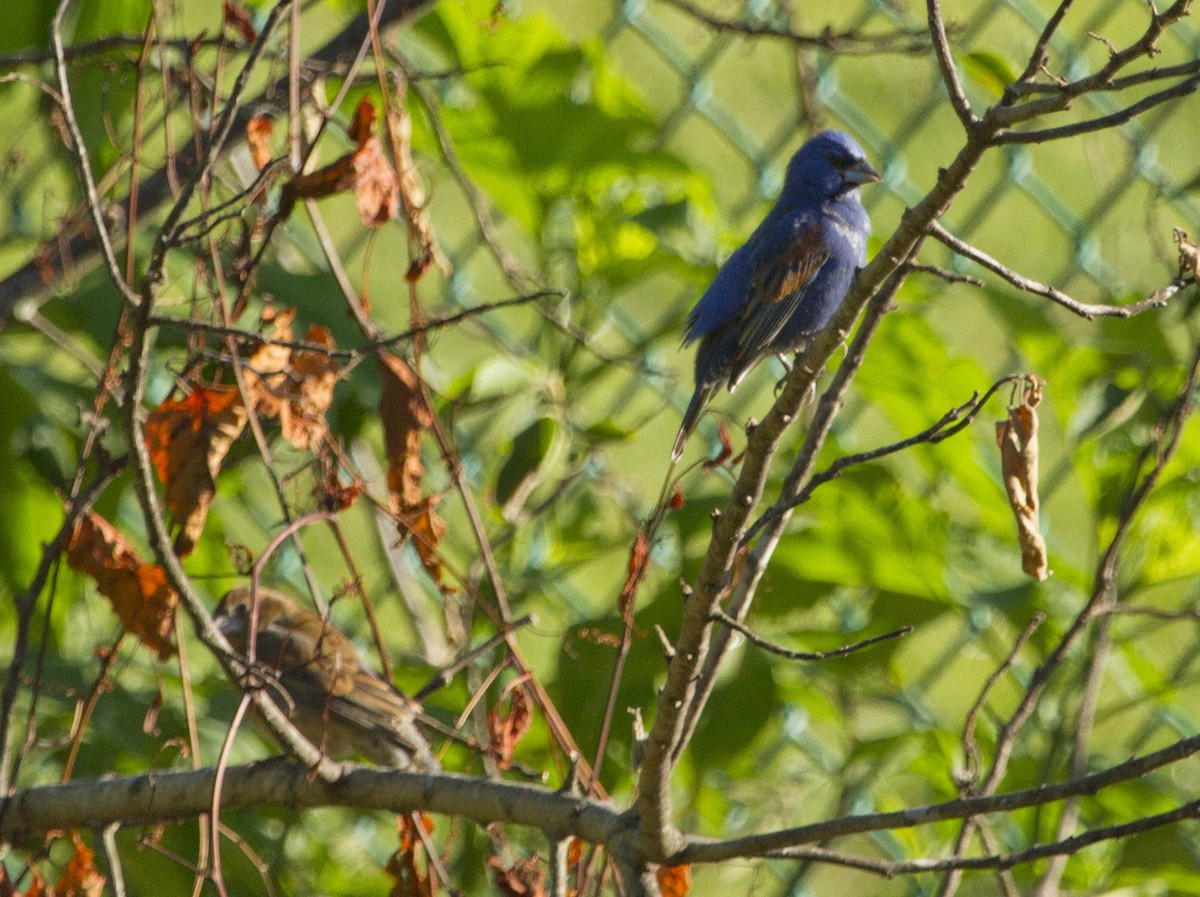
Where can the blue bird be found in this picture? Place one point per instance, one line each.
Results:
(788, 279)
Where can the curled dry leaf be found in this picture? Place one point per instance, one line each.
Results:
(1189, 254)
(139, 593)
(188, 440)
(295, 386)
(524, 878)
(508, 730)
(639, 562)
(258, 135)
(80, 878)
(405, 418)
(1017, 438)
(365, 171)
(402, 865)
(238, 19)
(674, 881)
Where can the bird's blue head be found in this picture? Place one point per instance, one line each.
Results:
(827, 166)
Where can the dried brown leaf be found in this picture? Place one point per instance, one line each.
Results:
(258, 135)
(1189, 254)
(188, 440)
(405, 418)
(139, 593)
(411, 881)
(639, 562)
(1017, 438)
(376, 187)
(674, 881)
(238, 18)
(366, 171)
(80, 878)
(295, 386)
(508, 729)
(524, 878)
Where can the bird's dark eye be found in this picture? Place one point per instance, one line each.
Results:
(844, 162)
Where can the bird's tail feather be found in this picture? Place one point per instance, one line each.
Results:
(691, 417)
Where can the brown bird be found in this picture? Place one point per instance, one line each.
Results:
(321, 684)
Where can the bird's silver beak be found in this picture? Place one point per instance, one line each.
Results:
(861, 172)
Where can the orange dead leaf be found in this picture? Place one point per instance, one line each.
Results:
(294, 386)
(1017, 438)
(639, 561)
(674, 881)
(188, 440)
(405, 418)
(508, 730)
(81, 878)
(676, 497)
(266, 370)
(237, 18)
(574, 851)
(402, 865)
(140, 595)
(314, 376)
(376, 187)
(362, 126)
(524, 878)
(365, 170)
(258, 135)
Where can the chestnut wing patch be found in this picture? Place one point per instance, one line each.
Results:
(778, 285)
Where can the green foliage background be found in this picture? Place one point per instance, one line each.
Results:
(575, 122)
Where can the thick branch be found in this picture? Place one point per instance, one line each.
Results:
(160, 796)
(700, 851)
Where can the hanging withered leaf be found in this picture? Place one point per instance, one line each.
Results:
(140, 595)
(293, 385)
(237, 18)
(508, 729)
(188, 440)
(405, 418)
(524, 878)
(80, 878)
(258, 136)
(411, 880)
(1189, 254)
(365, 170)
(412, 191)
(1017, 438)
(674, 881)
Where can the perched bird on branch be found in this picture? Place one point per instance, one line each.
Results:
(788, 279)
(315, 676)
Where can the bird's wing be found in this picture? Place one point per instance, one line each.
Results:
(778, 284)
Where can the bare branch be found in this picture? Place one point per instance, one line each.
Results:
(941, 46)
(1182, 89)
(1157, 299)
(771, 843)
(83, 163)
(788, 654)
(851, 42)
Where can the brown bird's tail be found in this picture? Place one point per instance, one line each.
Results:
(691, 417)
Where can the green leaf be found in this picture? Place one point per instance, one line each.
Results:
(989, 70)
(530, 449)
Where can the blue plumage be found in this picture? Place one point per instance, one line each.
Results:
(789, 278)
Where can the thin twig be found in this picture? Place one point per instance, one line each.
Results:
(1084, 310)
(941, 46)
(788, 654)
